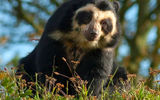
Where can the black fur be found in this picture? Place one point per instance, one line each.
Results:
(95, 64)
(84, 17)
(103, 5)
(95, 68)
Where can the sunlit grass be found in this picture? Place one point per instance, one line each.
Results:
(14, 88)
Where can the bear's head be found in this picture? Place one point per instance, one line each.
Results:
(94, 25)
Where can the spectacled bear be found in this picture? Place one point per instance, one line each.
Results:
(83, 31)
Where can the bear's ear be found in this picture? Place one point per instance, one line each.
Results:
(116, 5)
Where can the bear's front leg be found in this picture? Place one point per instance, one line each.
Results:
(95, 67)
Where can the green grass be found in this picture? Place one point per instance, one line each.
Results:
(14, 88)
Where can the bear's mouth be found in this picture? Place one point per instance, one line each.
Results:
(92, 37)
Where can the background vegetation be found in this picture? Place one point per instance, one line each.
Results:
(22, 23)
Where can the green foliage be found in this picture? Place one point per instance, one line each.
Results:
(10, 90)
(14, 88)
(14, 61)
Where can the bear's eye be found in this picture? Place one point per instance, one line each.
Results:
(106, 25)
(84, 17)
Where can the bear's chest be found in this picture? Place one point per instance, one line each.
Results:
(73, 54)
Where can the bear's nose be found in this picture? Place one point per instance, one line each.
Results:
(93, 29)
(93, 32)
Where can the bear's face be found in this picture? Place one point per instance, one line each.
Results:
(93, 25)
